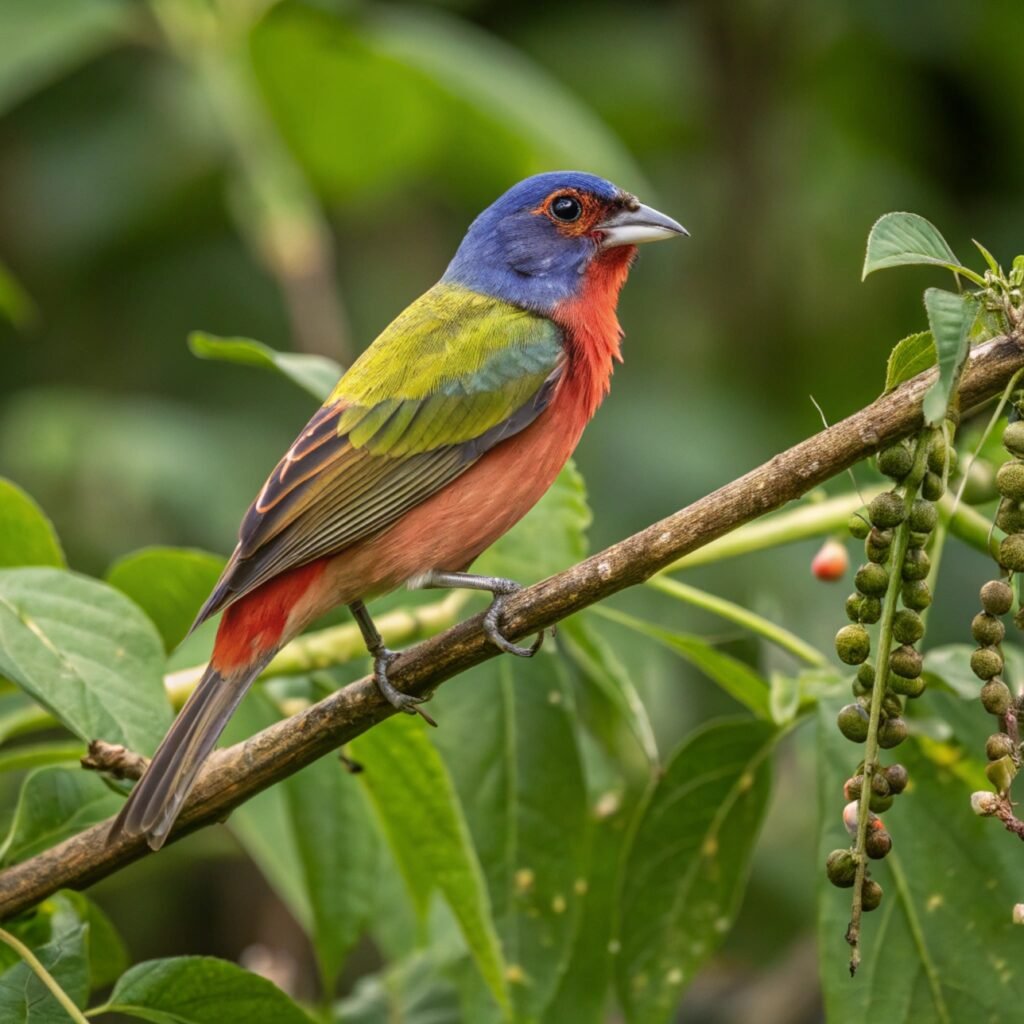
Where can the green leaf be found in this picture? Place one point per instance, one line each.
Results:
(687, 864)
(35, 755)
(942, 948)
(912, 355)
(168, 584)
(306, 834)
(43, 41)
(509, 739)
(950, 317)
(424, 822)
(739, 680)
(86, 653)
(55, 802)
(108, 957)
(784, 697)
(993, 265)
(412, 991)
(906, 239)
(24, 999)
(601, 668)
(951, 664)
(15, 303)
(315, 374)
(200, 990)
(27, 537)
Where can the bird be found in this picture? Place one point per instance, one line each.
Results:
(432, 445)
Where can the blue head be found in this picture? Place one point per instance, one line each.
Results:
(534, 244)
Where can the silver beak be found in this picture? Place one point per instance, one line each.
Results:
(640, 224)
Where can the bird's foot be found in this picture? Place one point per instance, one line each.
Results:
(406, 702)
(502, 590)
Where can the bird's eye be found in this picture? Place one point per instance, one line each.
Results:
(566, 208)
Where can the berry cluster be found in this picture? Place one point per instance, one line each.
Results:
(892, 591)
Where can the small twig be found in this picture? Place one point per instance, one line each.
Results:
(114, 760)
(36, 966)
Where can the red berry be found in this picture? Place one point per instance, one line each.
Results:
(831, 562)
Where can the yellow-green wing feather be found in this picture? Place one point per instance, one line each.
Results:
(452, 376)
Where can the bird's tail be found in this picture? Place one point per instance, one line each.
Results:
(158, 796)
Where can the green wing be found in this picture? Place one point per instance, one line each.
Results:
(454, 375)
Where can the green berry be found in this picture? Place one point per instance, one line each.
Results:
(941, 455)
(858, 524)
(853, 606)
(887, 510)
(877, 843)
(907, 626)
(1010, 480)
(870, 610)
(987, 630)
(871, 580)
(875, 552)
(879, 785)
(880, 804)
(853, 644)
(907, 687)
(1011, 552)
(996, 597)
(1010, 516)
(932, 487)
(891, 733)
(896, 461)
(916, 565)
(905, 661)
(998, 745)
(986, 663)
(1013, 438)
(853, 723)
(1001, 773)
(917, 540)
(852, 787)
(996, 697)
(892, 706)
(841, 868)
(866, 676)
(923, 517)
(916, 595)
(870, 895)
(898, 778)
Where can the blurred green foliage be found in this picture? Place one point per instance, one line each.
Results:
(297, 172)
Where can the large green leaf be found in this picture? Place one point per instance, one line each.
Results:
(24, 756)
(314, 839)
(736, 678)
(55, 802)
(687, 865)
(942, 948)
(912, 355)
(168, 584)
(508, 737)
(63, 951)
(315, 374)
(423, 820)
(27, 537)
(200, 990)
(950, 317)
(905, 239)
(86, 653)
(43, 41)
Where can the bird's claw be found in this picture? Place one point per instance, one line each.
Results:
(494, 633)
(405, 702)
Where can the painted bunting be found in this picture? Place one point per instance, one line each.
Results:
(440, 437)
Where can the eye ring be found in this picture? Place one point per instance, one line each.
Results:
(566, 208)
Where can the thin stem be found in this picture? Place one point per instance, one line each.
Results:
(44, 976)
(899, 551)
(770, 631)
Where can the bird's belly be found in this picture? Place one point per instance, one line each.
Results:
(451, 528)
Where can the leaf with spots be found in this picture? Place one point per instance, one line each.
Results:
(86, 653)
(942, 948)
(510, 743)
(686, 868)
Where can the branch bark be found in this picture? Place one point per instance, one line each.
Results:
(237, 773)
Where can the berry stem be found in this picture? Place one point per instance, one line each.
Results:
(889, 607)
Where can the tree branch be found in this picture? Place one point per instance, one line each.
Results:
(234, 775)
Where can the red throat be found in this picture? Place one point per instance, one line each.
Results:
(592, 330)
